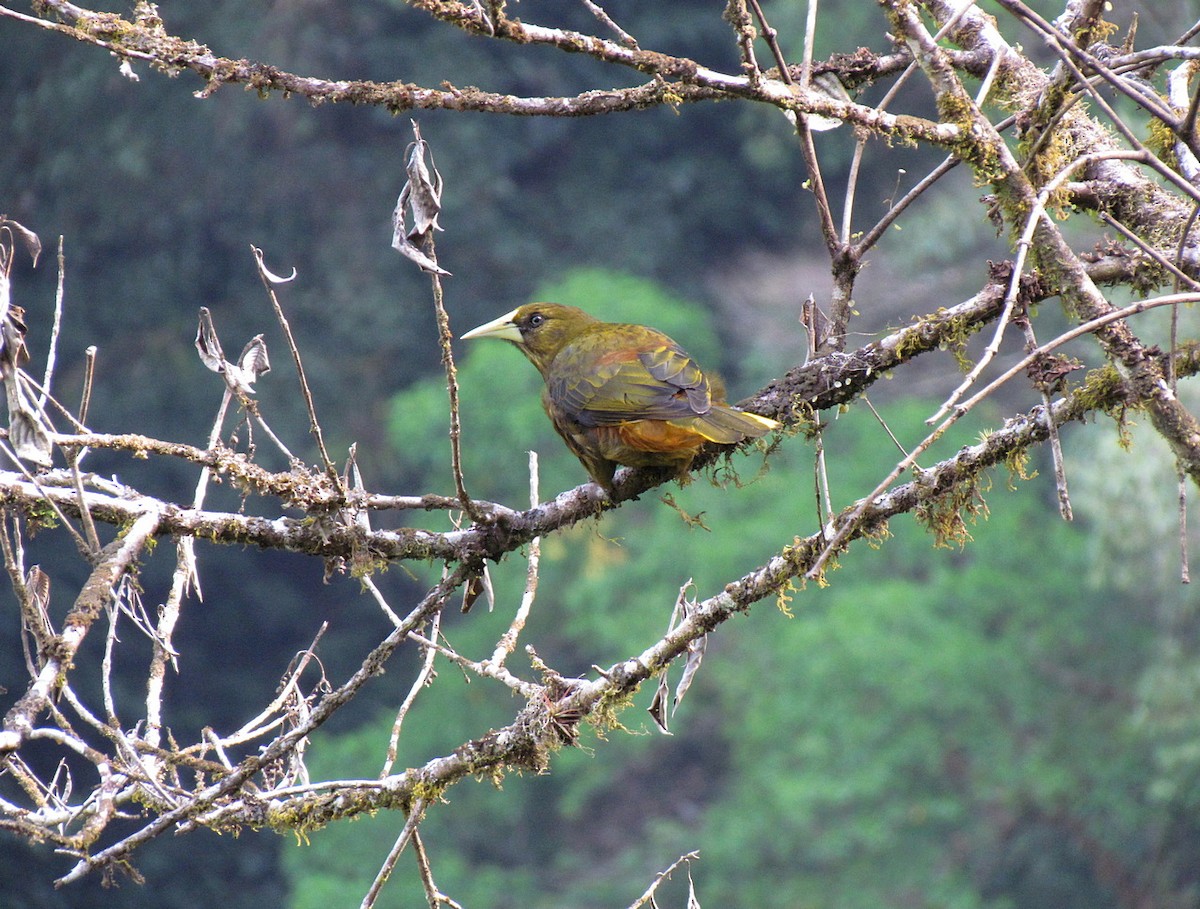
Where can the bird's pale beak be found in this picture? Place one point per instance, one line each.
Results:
(504, 328)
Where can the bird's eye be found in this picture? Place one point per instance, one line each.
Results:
(536, 320)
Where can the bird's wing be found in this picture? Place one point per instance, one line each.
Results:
(645, 382)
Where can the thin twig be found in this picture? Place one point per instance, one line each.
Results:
(253, 409)
(422, 679)
(314, 426)
(254, 728)
(184, 578)
(807, 147)
(435, 599)
(1185, 575)
(445, 337)
(58, 309)
(508, 642)
(373, 588)
(484, 668)
(811, 319)
(85, 515)
(872, 236)
(432, 893)
(891, 435)
(89, 375)
(739, 17)
(1056, 452)
(110, 706)
(623, 36)
(648, 896)
(1177, 273)
(415, 814)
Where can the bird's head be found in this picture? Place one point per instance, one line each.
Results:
(540, 330)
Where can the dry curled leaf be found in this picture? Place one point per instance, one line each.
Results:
(207, 342)
(31, 241)
(658, 706)
(422, 197)
(38, 584)
(13, 352)
(695, 655)
(405, 247)
(26, 434)
(265, 273)
(27, 429)
(424, 189)
(480, 584)
(352, 478)
(239, 376)
(254, 360)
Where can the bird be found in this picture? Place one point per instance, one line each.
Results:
(620, 393)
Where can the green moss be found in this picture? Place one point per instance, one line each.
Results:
(1160, 139)
(40, 516)
(949, 515)
(1017, 463)
(1101, 391)
(605, 716)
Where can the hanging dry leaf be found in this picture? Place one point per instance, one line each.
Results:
(830, 86)
(33, 245)
(12, 318)
(254, 361)
(424, 188)
(27, 427)
(352, 478)
(488, 590)
(207, 342)
(265, 273)
(484, 17)
(25, 431)
(695, 654)
(405, 247)
(815, 323)
(38, 584)
(13, 352)
(422, 196)
(477, 586)
(658, 706)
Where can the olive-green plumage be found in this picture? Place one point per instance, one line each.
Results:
(621, 394)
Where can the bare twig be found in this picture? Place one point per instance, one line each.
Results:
(89, 374)
(664, 875)
(1056, 452)
(58, 309)
(623, 36)
(424, 676)
(269, 280)
(415, 814)
(508, 642)
(432, 893)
